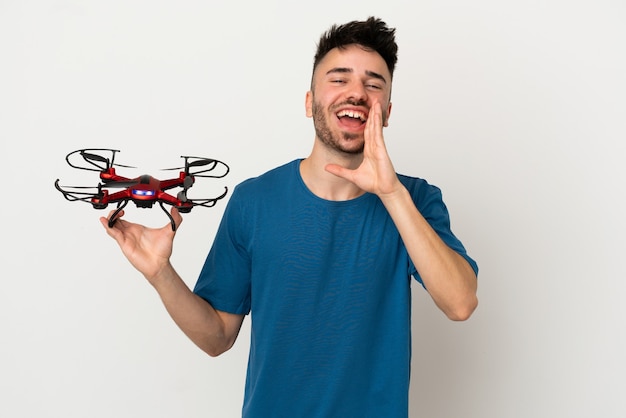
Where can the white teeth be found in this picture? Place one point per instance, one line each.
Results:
(351, 114)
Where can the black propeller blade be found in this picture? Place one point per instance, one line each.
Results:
(96, 157)
(92, 160)
(200, 163)
(120, 184)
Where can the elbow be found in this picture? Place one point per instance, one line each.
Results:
(217, 347)
(463, 311)
(465, 302)
(216, 351)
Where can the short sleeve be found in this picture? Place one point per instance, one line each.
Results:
(224, 280)
(429, 202)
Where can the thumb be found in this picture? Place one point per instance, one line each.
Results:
(178, 219)
(339, 171)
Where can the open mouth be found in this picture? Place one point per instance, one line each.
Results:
(352, 118)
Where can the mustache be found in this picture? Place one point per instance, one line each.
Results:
(360, 103)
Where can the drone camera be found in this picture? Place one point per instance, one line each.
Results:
(143, 203)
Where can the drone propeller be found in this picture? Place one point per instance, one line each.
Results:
(92, 160)
(208, 202)
(201, 162)
(120, 184)
(90, 156)
(198, 163)
(82, 193)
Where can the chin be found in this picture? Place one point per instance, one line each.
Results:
(355, 150)
(352, 145)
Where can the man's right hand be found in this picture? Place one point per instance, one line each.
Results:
(147, 249)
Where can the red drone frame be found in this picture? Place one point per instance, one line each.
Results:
(144, 190)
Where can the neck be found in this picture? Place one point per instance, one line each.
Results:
(324, 184)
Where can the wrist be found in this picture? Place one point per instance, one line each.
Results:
(162, 276)
(394, 194)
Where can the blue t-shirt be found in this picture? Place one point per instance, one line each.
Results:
(327, 284)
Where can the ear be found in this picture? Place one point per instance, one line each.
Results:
(308, 104)
(386, 121)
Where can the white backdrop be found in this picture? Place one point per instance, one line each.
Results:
(516, 110)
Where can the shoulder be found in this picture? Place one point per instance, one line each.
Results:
(427, 197)
(269, 184)
(418, 187)
(275, 175)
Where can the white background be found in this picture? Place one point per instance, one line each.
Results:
(517, 110)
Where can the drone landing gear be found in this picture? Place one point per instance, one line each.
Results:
(169, 215)
(113, 217)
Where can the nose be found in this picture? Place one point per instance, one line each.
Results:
(357, 93)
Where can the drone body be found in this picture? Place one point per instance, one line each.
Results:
(144, 190)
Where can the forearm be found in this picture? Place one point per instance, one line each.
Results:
(212, 331)
(447, 276)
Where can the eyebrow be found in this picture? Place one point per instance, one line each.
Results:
(350, 70)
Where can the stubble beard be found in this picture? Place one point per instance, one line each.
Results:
(331, 140)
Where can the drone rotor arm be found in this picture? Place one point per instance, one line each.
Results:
(168, 199)
(171, 183)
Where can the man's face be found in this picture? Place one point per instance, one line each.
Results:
(345, 84)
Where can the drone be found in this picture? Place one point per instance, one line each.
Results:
(144, 190)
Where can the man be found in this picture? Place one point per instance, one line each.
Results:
(320, 251)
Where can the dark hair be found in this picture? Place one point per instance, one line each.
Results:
(372, 34)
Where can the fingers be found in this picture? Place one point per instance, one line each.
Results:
(374, 141)
(106, 221)
(115, 226)
(374, 124)
(111, 220)
(113, 230)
